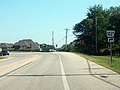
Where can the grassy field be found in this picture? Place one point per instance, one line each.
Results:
(104, 61)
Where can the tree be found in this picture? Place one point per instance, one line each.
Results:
(87, 28)
(100, 20)
(98, 13)
(114, 18)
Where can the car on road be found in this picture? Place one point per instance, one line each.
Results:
(0, 51)
(5, 52)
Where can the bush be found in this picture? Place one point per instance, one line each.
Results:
(106, 52)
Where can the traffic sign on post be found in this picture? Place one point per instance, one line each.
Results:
(110, 40)
(110, 33)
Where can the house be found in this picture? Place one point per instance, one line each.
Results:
(26, 45)
(4, 46)
(8, 46)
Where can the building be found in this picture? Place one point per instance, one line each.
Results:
(26, 45)
(7, 46)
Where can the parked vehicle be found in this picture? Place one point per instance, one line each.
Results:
(5, 52)
(0, 52)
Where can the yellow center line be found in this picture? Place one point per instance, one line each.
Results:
(6, 58)
(18, 63)
(15, 64)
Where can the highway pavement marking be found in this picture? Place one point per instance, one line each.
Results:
(19, 63)
(11, 65)
(65, 82)
(6, 58)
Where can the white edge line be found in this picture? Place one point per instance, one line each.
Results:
(65, 82)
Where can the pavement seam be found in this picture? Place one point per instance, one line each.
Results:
(15, 69)
(90, 71)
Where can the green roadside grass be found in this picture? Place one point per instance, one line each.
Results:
(104, 61)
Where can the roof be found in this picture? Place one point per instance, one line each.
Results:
(10, 44)
(22, 44)
(34, 45)
(4, 45)
(28, 43)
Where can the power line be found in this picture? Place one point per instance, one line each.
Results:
(60, 40)
(70, 35)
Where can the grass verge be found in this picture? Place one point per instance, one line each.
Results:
(104, 61)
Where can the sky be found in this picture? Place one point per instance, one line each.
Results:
(36, 19)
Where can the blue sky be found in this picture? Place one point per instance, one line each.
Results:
(36, 19)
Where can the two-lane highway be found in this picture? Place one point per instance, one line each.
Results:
(54, 71)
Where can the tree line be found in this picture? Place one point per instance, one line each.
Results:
(93, 27)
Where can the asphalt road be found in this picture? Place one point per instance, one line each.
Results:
(54, 71)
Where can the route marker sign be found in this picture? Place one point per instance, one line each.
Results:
(111, 40)
(110, 34)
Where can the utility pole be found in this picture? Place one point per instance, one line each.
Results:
(53, 38)
(66, 38)
(96, 40)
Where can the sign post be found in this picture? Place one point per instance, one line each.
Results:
(110, 35)
(111, 52)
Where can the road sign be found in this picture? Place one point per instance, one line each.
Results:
(82, 42)
(110, 33)
(111, 40)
